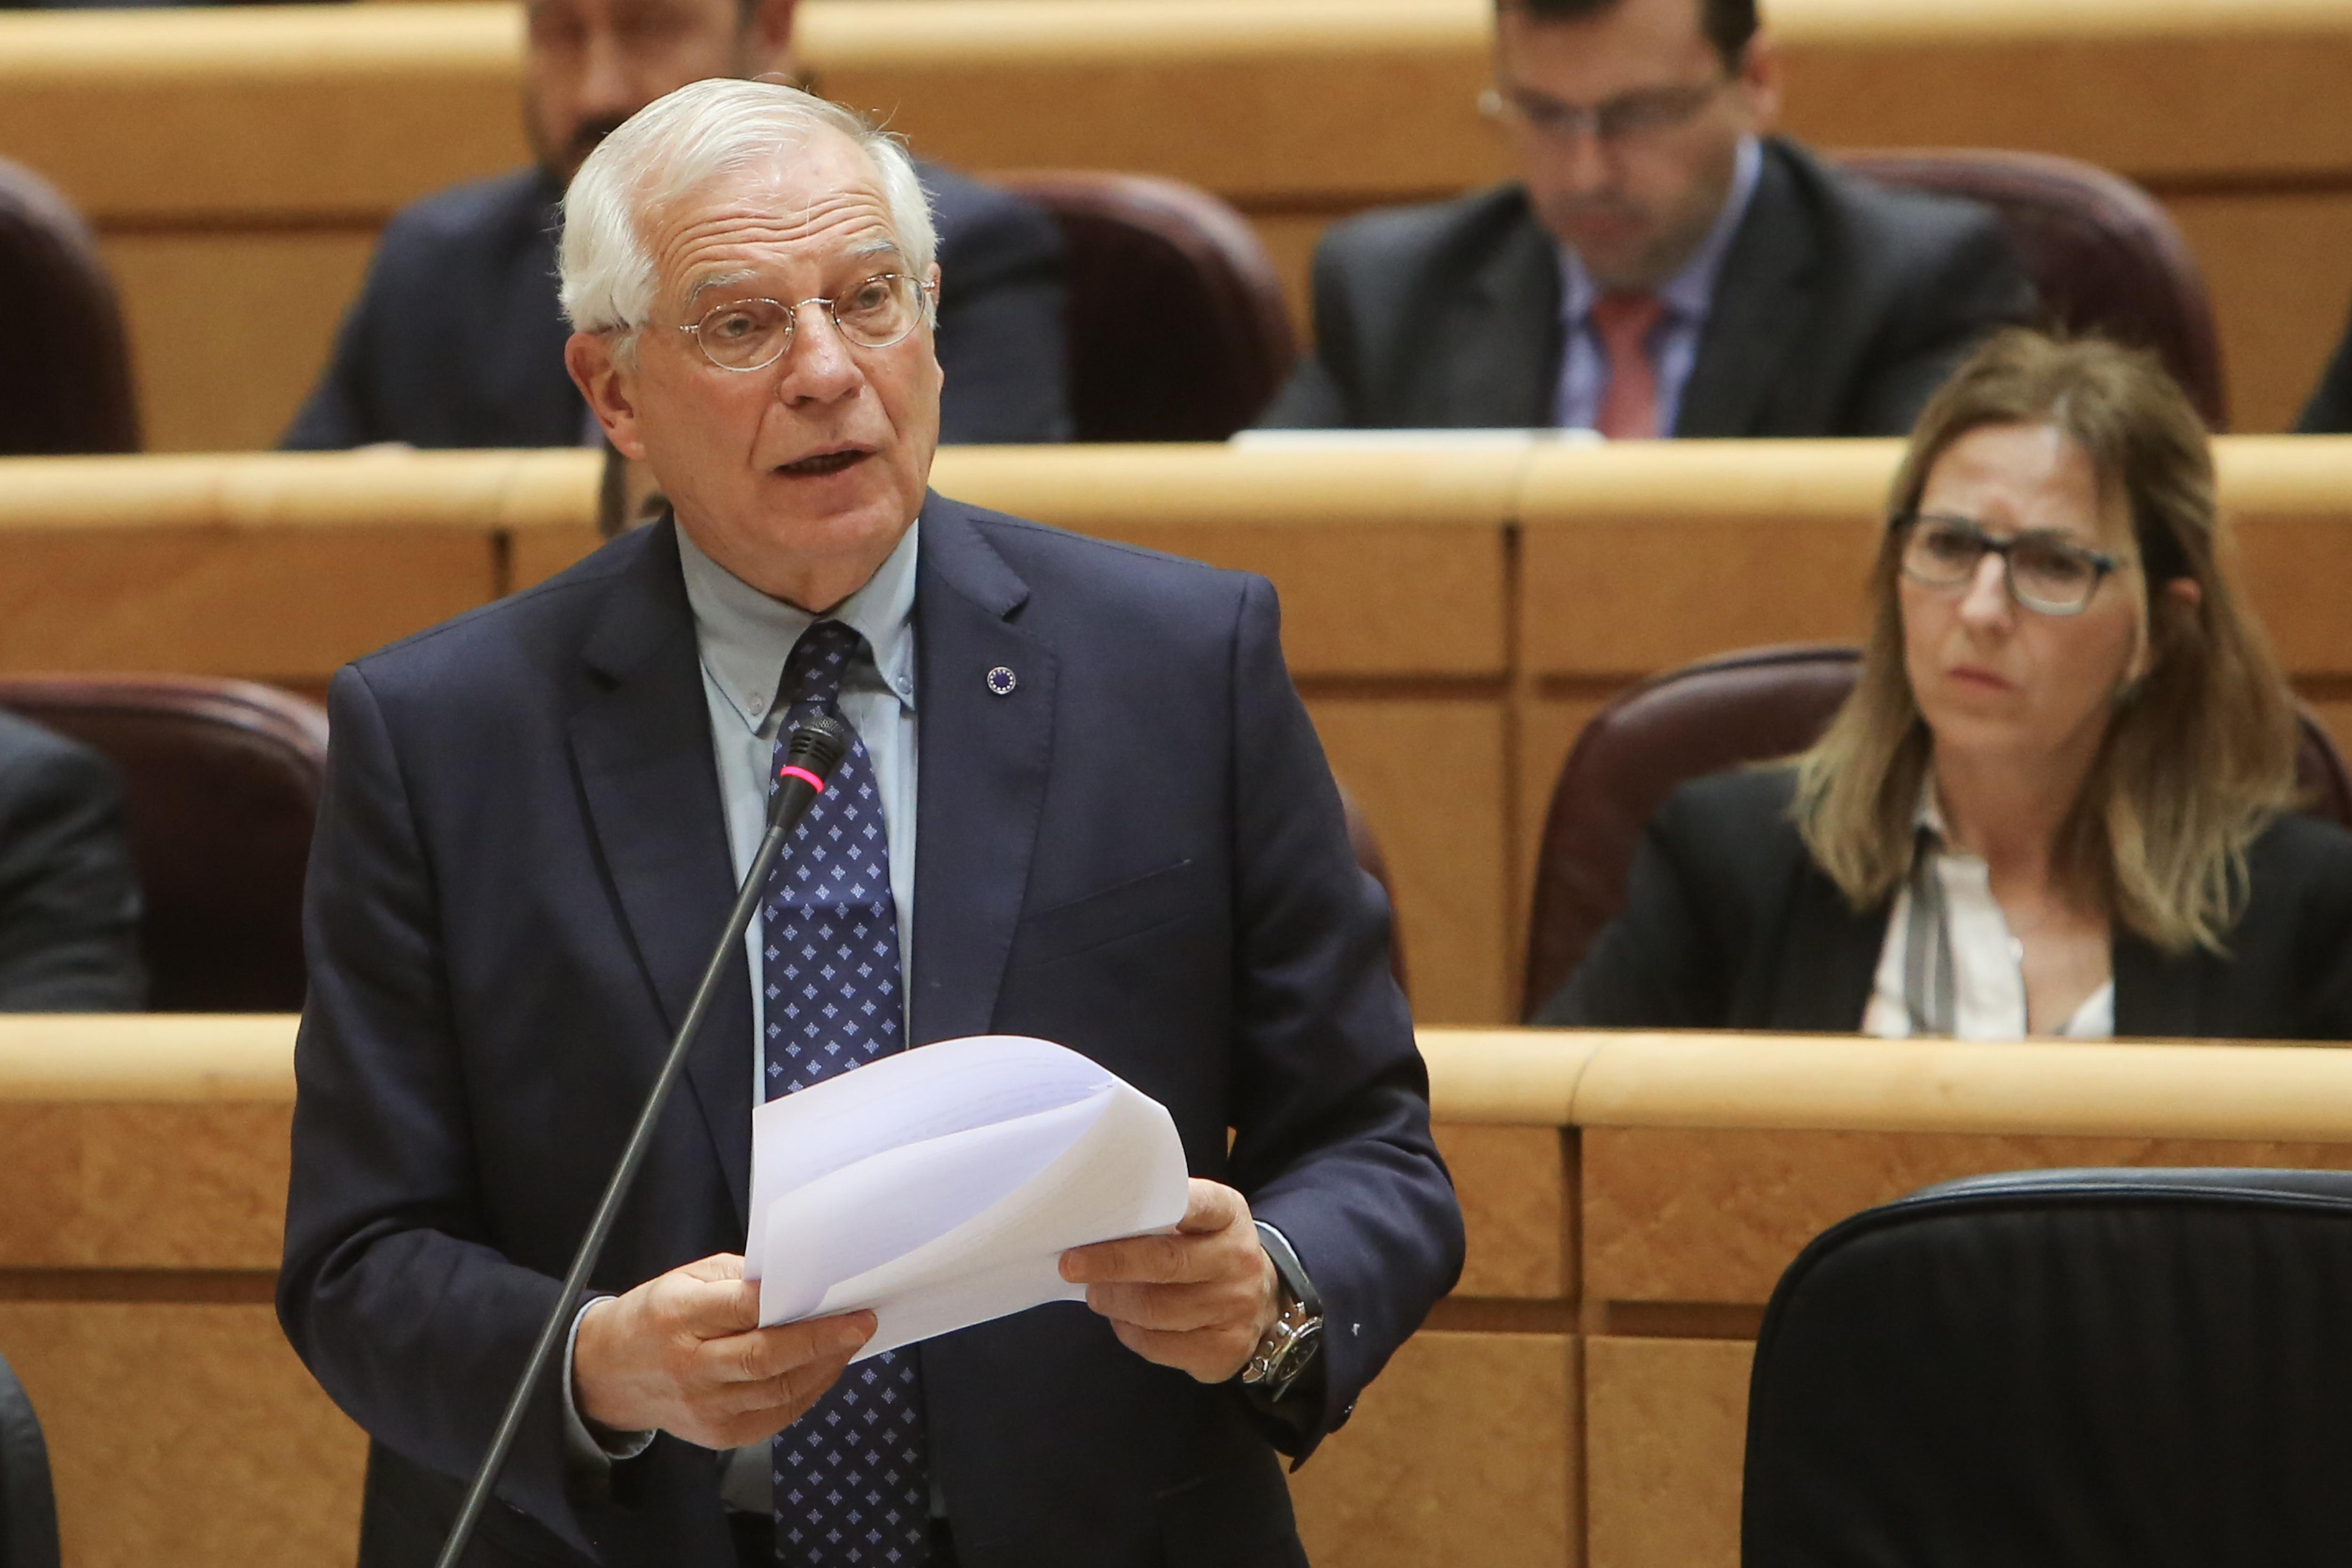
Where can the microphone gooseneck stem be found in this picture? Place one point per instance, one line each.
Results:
(793, 798)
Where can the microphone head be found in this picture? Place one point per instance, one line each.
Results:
(818, 745)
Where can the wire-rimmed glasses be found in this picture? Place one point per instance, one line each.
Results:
(1626, 120)
(2046, 573)
(751, 335)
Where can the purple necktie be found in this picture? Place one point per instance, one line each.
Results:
(852, 1475)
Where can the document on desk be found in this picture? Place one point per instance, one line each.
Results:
(939, 1187)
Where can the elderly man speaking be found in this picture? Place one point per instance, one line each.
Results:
(1092, 809)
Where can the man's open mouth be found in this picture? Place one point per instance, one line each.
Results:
(824, 463)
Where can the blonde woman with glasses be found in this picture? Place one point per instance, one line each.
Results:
(2061, 798)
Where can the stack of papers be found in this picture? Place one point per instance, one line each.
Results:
(939, 1187)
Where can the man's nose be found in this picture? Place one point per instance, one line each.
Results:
(607, 90)
(1581, 160)
(818, 364)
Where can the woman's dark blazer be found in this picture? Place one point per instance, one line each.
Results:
(1729, 924)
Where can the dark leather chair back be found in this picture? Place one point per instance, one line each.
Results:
(1177, 328)
(2105, 1369)
(221, 782)
(68, 386)
(1375, 864)
(1727, 712)
(29, 1509)
(2106, 258)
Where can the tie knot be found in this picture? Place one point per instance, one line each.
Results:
(813, 674)
(1623, 321)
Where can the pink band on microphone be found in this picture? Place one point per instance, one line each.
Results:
(814, 782)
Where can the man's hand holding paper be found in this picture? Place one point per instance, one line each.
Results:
(940, 1187)
(684, 1353)
(1197, 1300)
(936, 1190)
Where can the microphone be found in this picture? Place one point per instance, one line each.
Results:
(816, 749)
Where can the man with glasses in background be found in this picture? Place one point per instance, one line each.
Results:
(457, 339)
(1662, 266)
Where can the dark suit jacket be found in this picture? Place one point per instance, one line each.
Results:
(1841, 306)
(68, 901)
(519, 869)
(457, 339)
(1729, 924)
(2329, 412)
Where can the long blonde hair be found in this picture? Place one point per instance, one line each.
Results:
(2199, 756)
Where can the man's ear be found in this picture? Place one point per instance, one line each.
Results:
(934, 275)
(593, 359)
(1759, 82)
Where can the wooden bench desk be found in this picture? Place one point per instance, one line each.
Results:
(1706, 1163)
(1580, 1399)
(1453, 615)
(238, 164)
(1394, 570)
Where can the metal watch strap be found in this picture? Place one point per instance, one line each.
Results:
(1291, 1342)
(1293, 1272)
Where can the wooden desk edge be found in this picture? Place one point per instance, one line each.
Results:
(1552, 490)
(1538, 1077)
(920, 33)
(294, 490)
(147, 1057)
(2215, 1089)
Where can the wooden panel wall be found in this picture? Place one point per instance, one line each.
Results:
(138, 1256)
(1579, 1402)
(1453, 615)
(238, 163)
(1686, 1232)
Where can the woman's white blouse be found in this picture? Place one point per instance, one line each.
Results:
(1988, 962)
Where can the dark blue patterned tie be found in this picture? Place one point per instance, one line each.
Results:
(852, 1475)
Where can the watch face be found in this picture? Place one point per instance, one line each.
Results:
(1298, 1343)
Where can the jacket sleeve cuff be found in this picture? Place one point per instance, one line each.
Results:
(1292, 1420)
(587, 1447)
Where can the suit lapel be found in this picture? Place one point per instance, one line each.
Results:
(982, 778)
(1502, 358)
(641, 741)
(1763, 298)
(2156, 997)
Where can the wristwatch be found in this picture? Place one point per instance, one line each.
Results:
(1298, 1329)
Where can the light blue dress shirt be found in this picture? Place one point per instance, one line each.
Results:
(744, 637)
(1688, 296)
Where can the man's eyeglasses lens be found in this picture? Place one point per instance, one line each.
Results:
(1629, 119)
(2045, 573)
(748, 334)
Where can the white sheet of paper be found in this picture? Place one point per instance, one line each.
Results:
(940, 1187)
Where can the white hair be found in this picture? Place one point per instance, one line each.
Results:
(680, 143)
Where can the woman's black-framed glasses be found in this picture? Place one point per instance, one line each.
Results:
(751, 335)
(2046, 573)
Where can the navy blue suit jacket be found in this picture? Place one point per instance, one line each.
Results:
(457, 339)
(69, 901)
(1139, 853)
